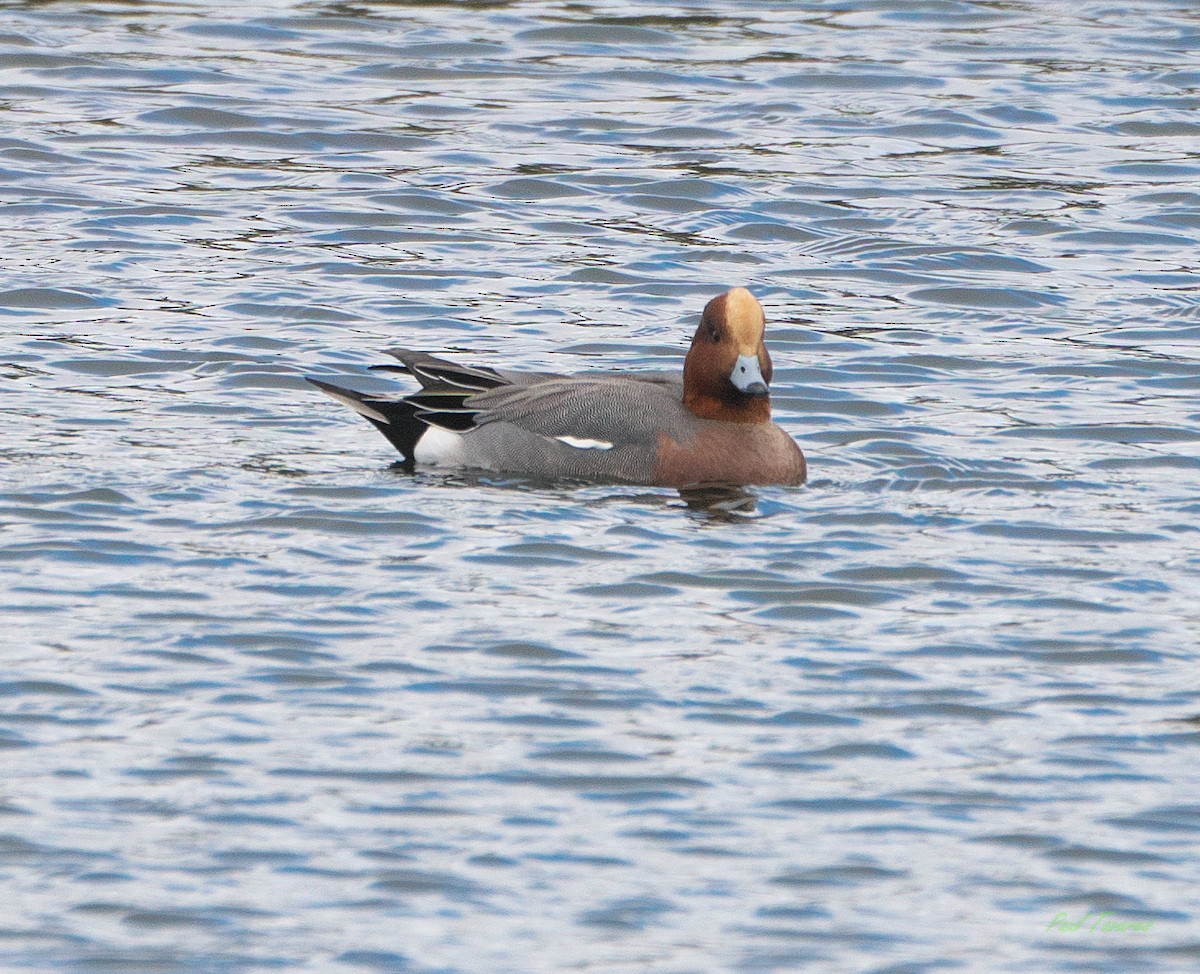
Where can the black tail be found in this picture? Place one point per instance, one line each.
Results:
(397, 419)
(441, 402)
(445, 388)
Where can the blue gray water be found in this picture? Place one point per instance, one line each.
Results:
(268, 703)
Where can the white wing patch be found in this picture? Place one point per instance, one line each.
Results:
(580, 443)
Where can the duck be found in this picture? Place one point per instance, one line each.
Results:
(710, 425)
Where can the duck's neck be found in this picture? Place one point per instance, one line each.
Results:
(733, 409)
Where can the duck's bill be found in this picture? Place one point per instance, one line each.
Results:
(747, 377)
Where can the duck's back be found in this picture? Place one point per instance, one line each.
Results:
(590, 427)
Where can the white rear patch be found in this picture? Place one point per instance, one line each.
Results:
(580, 443)
(439, 446)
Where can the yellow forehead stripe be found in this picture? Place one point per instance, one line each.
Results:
(745, 320)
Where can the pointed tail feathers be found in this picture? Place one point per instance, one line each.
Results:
(396, 419)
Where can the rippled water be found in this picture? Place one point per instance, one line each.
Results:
(269, 703)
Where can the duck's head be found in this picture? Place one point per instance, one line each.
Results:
(728, 371)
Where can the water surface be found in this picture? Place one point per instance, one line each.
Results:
(269, 703)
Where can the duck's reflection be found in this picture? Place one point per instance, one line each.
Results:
(719, 499)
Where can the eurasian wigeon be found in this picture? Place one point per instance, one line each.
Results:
(713, 425)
